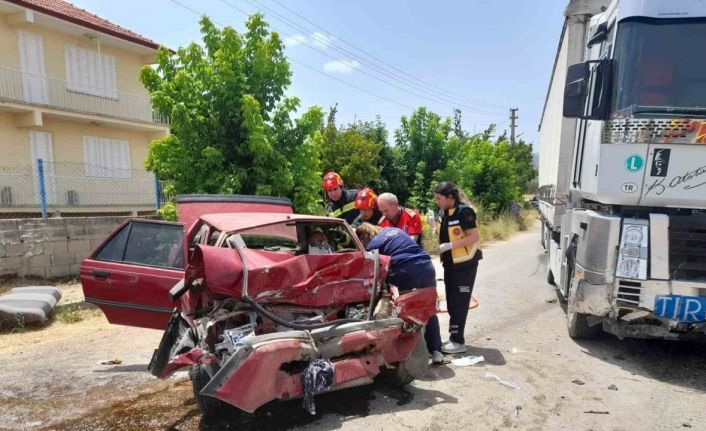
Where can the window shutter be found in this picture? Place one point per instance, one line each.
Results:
(106, 158)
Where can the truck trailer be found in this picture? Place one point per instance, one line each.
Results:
(622, 169)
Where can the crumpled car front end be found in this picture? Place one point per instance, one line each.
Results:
(247, 354)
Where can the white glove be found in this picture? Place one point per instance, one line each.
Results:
(443, 248)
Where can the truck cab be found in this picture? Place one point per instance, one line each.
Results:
(623, 169)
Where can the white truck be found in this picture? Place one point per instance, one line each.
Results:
(622, 169)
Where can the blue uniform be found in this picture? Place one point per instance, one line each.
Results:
(410, 268)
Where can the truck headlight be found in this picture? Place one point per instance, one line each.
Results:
(633, 255)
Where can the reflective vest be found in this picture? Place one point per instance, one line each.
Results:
(459, 254)
(350, 206)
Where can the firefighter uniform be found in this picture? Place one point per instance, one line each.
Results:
(345, 207)
(460, 267)
(407, 220)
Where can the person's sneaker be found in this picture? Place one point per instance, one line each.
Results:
(437, 357)
(453, 347)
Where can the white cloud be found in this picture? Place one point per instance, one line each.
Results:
(321, 40)
(295, 40)
(316, 39)
(341, 66)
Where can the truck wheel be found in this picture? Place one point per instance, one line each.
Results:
(576, 322)
(415, 366)
(208, 406)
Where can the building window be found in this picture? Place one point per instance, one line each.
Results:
(106, 158)
(88, 71)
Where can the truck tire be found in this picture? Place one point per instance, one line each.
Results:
(415, 366)
(209, 406)
(577, 323)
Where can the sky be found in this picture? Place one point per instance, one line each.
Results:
(388, 57)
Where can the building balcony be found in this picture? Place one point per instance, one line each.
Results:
(22, 88)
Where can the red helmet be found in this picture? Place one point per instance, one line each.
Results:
(331, 181)
(366, 199)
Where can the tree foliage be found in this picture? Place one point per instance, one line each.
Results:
(233, 130)
(231, 126)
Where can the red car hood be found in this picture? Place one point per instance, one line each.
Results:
(307, 280)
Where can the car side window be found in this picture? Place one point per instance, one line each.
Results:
(149, 244)
(155, 245)
(113, 250)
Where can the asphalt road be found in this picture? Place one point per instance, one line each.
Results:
(561, 384)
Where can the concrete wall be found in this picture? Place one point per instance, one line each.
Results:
(51, 247)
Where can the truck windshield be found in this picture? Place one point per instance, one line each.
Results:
(660, 68)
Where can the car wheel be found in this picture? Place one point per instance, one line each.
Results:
(208, 406)
(415, 366)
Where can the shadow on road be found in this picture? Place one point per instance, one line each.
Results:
(142, 368)
(677, 363)
(334, 408)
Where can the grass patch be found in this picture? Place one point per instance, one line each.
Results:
(11, 326)
(76, 312)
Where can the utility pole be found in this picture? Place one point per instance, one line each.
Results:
(513, 125)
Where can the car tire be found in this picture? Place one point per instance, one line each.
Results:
(577, 323)
(209, 406)
(415, 366)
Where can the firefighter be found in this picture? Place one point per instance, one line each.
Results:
(458, 246)
(410, 268)
(396, 216)
(366, 203)
(341, 202)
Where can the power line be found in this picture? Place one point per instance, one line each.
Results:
(433, 98)
(424, 87)
(308, 66)
(382, 61)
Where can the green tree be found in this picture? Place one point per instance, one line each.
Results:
(355, 157)
(523, 161)
(231, 126)
(422, 138)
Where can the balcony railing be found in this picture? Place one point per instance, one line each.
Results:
(22, 87)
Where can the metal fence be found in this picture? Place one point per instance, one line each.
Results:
(27, 88)
(68, 187)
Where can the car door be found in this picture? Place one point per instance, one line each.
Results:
(129, 276)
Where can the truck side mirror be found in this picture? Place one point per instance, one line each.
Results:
(575, 90)
(588, 89)
(599, 35)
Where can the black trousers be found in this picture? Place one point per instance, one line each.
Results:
(459, 282)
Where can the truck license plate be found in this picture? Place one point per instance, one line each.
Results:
(687, 309)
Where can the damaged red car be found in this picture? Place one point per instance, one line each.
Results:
(261, 305)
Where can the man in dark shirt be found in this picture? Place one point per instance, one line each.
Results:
(410, 268)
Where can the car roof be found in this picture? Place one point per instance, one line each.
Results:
(230, 222)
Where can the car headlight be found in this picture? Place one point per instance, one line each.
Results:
(633, 255)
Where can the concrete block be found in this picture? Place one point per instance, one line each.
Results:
(12, 250)
(11, 263)
(75, 269)
(80, 247)
(38, 261)
(62, 259)
(96, 242)
(34, 272)
(75, 231)
(56, 247)
(58, 271)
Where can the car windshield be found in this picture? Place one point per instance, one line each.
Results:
(659, 68)
(297, 238)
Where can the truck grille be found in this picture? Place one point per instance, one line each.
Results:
(635, 130)
(629, 292)
(687, 248)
